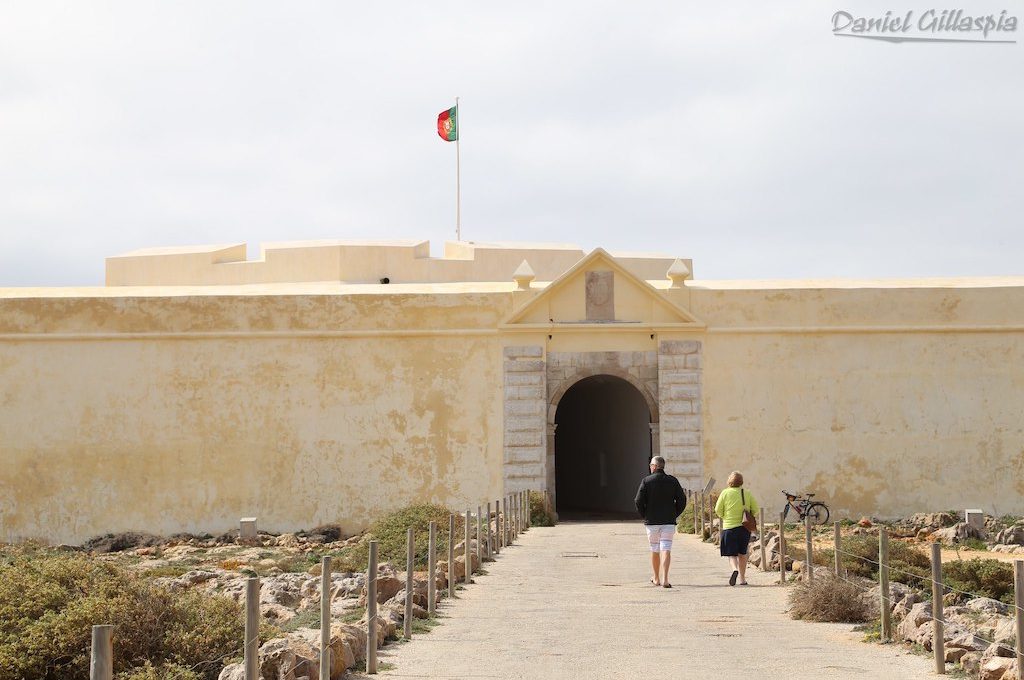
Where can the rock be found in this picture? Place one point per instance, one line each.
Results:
(235, 671)
(797, 566)
(1012, 535)
(958, 533)
(998, 668)
(934, 520)
(387, 588)
(306, 643)
(287, 541)
(864, 522)
(280, 661)
(987, 605)
(924, 534)
(971, 663)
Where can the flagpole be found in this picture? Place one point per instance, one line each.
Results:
(458, 174)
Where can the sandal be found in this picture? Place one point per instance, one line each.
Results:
(666, 585)
(732, 579)
(655, 582)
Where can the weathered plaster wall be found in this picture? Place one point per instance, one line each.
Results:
(192, 429)
(883, 401)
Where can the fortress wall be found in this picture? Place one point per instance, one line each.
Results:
(190, 432)
(871, 398)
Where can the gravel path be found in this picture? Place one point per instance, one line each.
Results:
(546, 610)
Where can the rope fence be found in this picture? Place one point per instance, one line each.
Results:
(884, 568)
(495, 531)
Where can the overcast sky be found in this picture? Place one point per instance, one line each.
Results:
(743, 134)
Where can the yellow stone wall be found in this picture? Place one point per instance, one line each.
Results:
(883, 401)
(233, 406)
(184, 409)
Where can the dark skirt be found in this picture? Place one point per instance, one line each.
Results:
(735, 541)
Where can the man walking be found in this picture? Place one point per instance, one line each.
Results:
(660, 500)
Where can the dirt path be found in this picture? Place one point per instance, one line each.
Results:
(547, 610)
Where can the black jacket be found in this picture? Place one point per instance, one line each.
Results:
(660, 499)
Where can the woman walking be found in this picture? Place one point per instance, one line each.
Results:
(735, 537)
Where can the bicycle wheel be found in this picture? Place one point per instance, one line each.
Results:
(818, 512)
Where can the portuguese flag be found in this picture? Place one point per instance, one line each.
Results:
(448, 124)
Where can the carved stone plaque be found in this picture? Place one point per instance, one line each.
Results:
(600, 296)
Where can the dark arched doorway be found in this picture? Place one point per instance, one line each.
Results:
(602, 446)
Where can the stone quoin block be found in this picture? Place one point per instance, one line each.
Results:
(528, 470)
(677, 408)
(523, 351)
(671, 361)
(525, 438)
(679, 378)
(524, 391)
(678, 347)
(676, 438)
(525, 454)
(523, 379)
(524, 424)
(525, 407)
(684, 392)
(693, 361)
(524, 366)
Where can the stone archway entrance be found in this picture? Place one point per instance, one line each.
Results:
(602, 445)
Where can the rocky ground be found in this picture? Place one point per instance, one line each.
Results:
(979, 632)
(289, 566)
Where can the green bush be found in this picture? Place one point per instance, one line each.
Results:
(906, 564)
(684, 525)
(980, 577)
(50, 600)
(828, 599)
(390, 533)
(539, 516)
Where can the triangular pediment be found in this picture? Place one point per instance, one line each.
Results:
(597, 290)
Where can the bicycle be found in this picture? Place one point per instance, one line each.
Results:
(805, 507)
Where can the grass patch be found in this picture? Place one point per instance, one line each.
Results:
(828, 599)
(872, 630)
(424, 625)
(307, 618)
(975, 544)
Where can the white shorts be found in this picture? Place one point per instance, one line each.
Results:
(660, 536)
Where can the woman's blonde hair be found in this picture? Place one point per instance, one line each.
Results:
(735, 478)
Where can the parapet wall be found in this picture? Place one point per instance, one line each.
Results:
(399, 261)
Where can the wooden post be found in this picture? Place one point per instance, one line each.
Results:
(809, 563)
(529, 511)
(701, 494)
(837, 536)
(479, 535)
(693, 506)
(716, 523)
(102, 664)
(252, 628)
(1018, 593)
(325, 618)
(490, 537)
(465, 550)
(761, 529)
(371, 611)
(451, 555)
(883, 582)
(938, 632)
(510, 512)
(497, 527)
(410, 559)
(782, 547)
(432, 569)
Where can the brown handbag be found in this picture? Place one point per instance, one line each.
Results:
(749, 521)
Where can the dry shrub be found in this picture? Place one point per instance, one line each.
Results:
(50, 600)
(829, 599)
